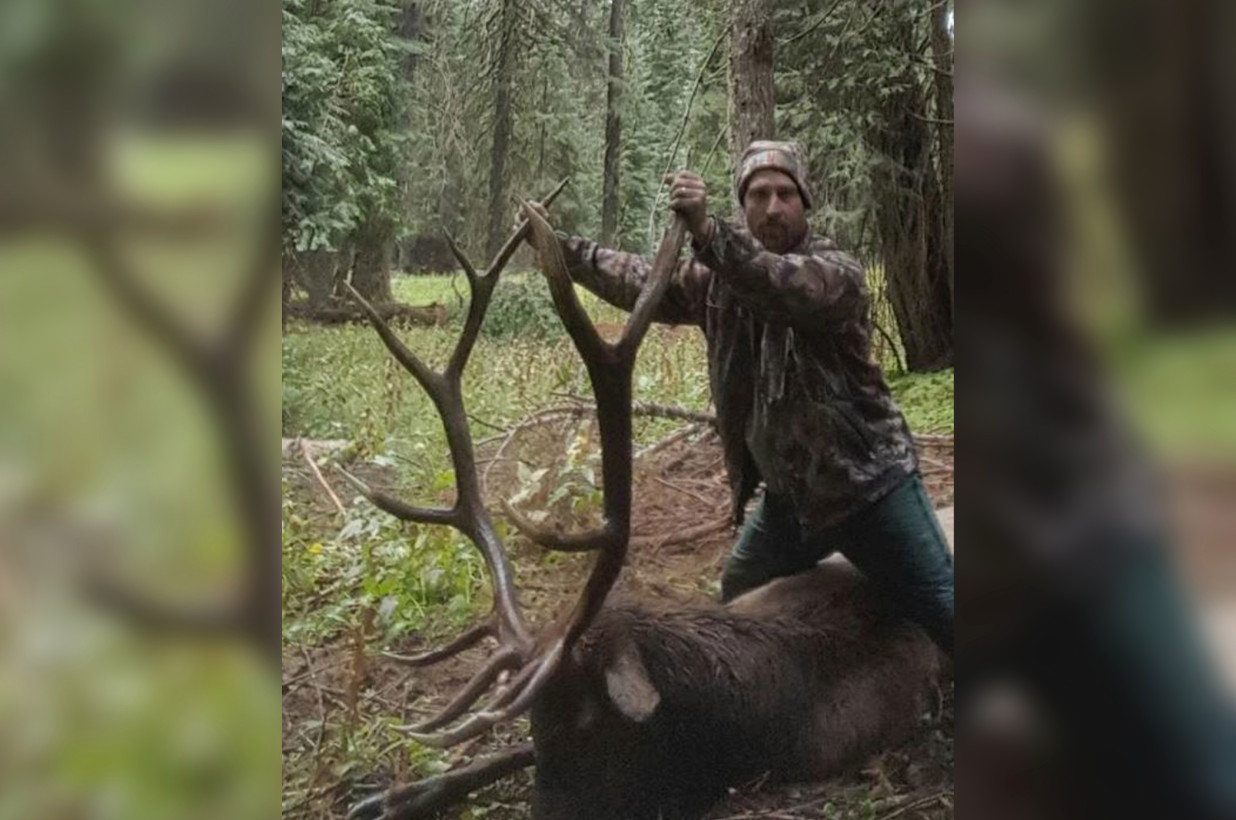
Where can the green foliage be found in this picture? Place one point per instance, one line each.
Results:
(340, 382)
(567, 491)
(1175, 388)
(343, 102)
(403, 572)
(522, 306)
(926, 399)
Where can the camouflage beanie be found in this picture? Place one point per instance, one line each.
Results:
(787, 157)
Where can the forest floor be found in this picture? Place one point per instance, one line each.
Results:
(336, 692)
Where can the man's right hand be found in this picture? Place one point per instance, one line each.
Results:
(531, 237)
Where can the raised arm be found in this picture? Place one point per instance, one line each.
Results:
(618, 278)
(809, 290)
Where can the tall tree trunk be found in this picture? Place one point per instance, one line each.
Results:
(502, 133)
(908, 211)
(316, 271)
(540, 151)
(371, 271)
(410, 26)
(751, 74)
(450, 205)
(613, 127)
(1170, 125)
(942, 52)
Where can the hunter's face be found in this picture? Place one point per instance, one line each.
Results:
(774, 210)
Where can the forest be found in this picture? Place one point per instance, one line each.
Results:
(411, 131)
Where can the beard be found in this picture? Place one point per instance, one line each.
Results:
(777, 235)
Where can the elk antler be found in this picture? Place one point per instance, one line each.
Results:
(505, 623)
(528, 662)
(609, 369)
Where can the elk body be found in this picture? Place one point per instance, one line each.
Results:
(640, 714)
(658, 712)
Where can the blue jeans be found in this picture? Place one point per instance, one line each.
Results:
(896, 542)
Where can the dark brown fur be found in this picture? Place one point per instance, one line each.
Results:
(798, 679)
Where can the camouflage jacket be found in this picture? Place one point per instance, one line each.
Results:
(800, 404)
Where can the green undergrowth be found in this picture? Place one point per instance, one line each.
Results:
(341, 383)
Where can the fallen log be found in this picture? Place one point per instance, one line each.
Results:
(339, 314)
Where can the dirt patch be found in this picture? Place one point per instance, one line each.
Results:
(679, 488)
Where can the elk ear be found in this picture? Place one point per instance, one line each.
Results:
(628, 685)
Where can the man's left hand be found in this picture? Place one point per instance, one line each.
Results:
(689, 197)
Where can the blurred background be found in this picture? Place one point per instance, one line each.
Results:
(1096, 196)
(138, 391)
(1095, 204)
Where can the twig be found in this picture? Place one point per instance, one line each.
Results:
(484, 423)
(321, 479)
(539, 417)
(682, 490)
(317, 746)
(924, 801)
(892, 346)
(676, 436)
(682, 127)
(935, 120)
(823, 18)
(647, 408)
(711, 151)
(682, 536)
(580, 409)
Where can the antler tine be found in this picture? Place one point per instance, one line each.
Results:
(544, 537)
(477, 686)
(459, 255)
(428, 379)
(154, 317)
(609, 369)
(659, 279)
(482, 291)
(485, 629)
(583, 333)
(482, 288)
(482, 722)
(512, 243)
(427, 797)
(247, 310)
(468, 515)
(400, 509)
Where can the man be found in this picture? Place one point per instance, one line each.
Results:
(800, 404)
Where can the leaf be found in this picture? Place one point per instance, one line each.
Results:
(387, 608)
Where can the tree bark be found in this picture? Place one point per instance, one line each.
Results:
(1169, 124)
(908, 210)
(410, 26)
(613, 127)
(371, 271)
(942, 52)
(496, 232)
(450, 204)
(315, 272)
(751, 74)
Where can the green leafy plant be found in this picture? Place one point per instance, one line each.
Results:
(522, 307)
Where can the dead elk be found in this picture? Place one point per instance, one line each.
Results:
(660, 712)
(639, 714)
